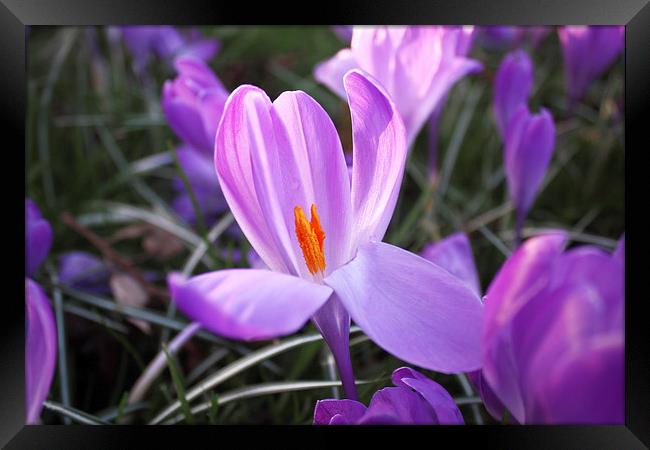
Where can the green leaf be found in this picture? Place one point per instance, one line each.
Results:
(178, 385)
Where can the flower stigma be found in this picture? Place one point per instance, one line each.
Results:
(310, 237)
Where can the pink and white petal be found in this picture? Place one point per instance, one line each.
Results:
(234, 144)
(379, 155)
(248, 304)
(412, 308)
(316, 155)
(331, 71)
(338, 412)
(40, 349)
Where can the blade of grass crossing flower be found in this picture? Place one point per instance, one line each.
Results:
(64, 381)
(74, 414)
(178, 385)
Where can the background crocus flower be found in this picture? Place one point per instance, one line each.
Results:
(38, 237)
(40, 341)
(509, 37)
(587, 52)
(344, 32)
(193, 103)
(553, 335)
(416, 65)
(166, 42)
(512, 87)
(416, 400)
(276, 160)
(84, 271)
(529, 145)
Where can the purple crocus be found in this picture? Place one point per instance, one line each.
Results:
(344, 32)
(84, 271)
(166, 42)
(512, 87)
(508, 37)
(553, 336)
(193, 103)
(588, 51)
(529, 145)
(416, 65)
(415, 400)
(40, 341)
(277, 159)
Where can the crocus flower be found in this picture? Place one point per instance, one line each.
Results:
(415, 400)
(344, 32)
(416, 65)
(508, 37)
(512, 87)
(84, 271)
(553, 335)
(40, 342)
(166, 42)
(588, 51)
(193, 103)
(276, 160)
(529, 145)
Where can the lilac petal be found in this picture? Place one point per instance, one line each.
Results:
(184, 118)
(583, 387)
(240, 132)
(333, 322)
(412, 308)
(398, 405)
(84, 271)
(316, 150)
(204, 49)
(528, 150)
(40, 349)
(512, 87)
(344, 32)
(454, 254)
(619, 251)
(338, 412)
(248, 304)
(331, 71)
(446, 410)
(378, 157)
(199, 170)
(38, 237)
(524, 275)
(490, 400)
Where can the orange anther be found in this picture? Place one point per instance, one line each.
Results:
(310, 237)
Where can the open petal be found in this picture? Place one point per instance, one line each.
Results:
(338, 412)
(398, 405)
(331, 72)
(454, 254)
(315, 154)
(378, 158)
(40, 349)
(248, 304)
(412, 308)
(447, 412)
(246, 125)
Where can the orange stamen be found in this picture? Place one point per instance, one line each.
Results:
(310, 237)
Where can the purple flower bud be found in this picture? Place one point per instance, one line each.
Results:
(512, 87)
(38, 237)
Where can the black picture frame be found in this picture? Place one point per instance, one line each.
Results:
(15, 15)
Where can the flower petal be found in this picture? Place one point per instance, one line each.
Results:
(245, 126)
(398, 405)
(331, 71)
(38, 237)
(454, 254)
(447, 412)
(512, 87)
(40, 349)
(378, 158)
(412, 308)
(248, 304)
(342, 412)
